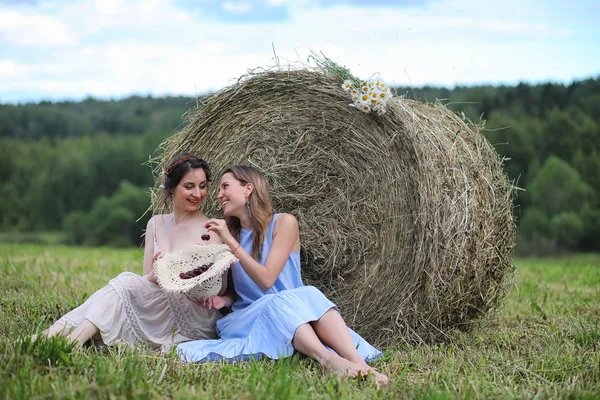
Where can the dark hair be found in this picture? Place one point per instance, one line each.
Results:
(176, 169)
(259, 203)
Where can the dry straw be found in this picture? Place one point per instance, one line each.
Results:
(405, 219)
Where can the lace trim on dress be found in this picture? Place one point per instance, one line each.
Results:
(67, 322)
(185, 324)
(131, 316)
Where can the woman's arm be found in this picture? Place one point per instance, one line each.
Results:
(149, 251)
(285, 240)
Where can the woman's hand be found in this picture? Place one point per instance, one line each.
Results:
(150, 276)
(157, 255)
(219, 226)
(213, 303)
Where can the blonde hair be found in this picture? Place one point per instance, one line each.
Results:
(260, 206)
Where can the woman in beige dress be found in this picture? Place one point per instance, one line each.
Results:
(132, 309)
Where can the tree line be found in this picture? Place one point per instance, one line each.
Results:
(77, 167)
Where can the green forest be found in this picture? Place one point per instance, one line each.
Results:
(78, 169)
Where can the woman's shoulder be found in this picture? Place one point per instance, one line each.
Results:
(201, 216)
(285, 221)
(158, 220)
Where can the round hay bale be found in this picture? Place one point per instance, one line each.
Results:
(405, 219)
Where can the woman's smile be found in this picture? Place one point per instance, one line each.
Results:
(194, 202)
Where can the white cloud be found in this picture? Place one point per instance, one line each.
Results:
(239, 7)
(23, 29)
(155, 47)
(129, 18)
(10, 69)
(109, 7)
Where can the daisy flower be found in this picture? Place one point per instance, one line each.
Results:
(370, 95)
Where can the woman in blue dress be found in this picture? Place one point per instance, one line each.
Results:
(273, 312)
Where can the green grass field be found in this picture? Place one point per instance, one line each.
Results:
(542, 343)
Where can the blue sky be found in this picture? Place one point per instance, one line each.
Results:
(63, 49)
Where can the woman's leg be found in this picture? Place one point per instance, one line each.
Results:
(84, 332)
(333, 331)
(81, 334)
(306, 342)
(56, 329)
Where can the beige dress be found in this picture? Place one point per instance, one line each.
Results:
(135, 311)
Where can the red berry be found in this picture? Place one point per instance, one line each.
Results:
(205, 237)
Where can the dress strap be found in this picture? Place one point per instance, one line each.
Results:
(154, 236)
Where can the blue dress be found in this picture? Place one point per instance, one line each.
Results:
(263, 323)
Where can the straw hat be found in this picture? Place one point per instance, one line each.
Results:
(174, 271)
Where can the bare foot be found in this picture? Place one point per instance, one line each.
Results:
(380, 378)
(368, 371)
(342, 367)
